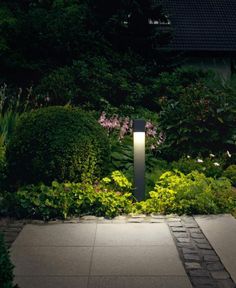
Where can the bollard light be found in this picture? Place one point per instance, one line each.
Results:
(139, 158)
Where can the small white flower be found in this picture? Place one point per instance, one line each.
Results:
(229, 155)
(188, 157)
(199, 160)
(212, 155)
(216, 164)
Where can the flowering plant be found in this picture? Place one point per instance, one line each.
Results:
(121, 127)
(211, 166)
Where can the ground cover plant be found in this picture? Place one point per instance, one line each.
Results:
(6, 267)
(174, 192)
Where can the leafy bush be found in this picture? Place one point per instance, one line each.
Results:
(230, 173)
(170, 85)
(199, 121)
(153, 175)
(117, 182)
(6, 267)
(70, 199)
(174, 192)
(91, 81)
(58, 87)
(193, 193)
(57, 143)
(210, 166)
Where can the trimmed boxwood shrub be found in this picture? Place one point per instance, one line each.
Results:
(57, 143)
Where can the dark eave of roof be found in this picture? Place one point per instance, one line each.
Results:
(202, 25)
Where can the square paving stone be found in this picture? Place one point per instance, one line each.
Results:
(133, 235)
(192, 257)
(52, 282)
(139, 282)
(175, 224)
(217, 266)
(51, 261)
(57, 235)
(220, 275)
(192, 265)
(226, 283)
(183, 240)
(189, 251)
(211, 258)
(140, 261)
(178, 229)
(180, 234)
(197, 235)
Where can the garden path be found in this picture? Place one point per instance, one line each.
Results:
(157, 251)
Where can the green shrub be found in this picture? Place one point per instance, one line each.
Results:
(193, 193)
(210, 166)
(199, 121)
(6, 267)
(117, 182)
(70, 199)
(57, 143)
(230, 173)
(93, 81)
(170, 85)
(58, 88)
(153, 175)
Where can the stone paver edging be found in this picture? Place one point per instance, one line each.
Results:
(201, 262)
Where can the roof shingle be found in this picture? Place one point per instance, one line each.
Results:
(208, 25)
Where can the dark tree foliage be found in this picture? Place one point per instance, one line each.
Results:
(39, 37)
(129, 23)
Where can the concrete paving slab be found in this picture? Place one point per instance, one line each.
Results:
(57, 235)
(133, 235)
(139, 282)
(149, 260)
(52, 282)
(220, 231)
(61, 261)
(97, 255)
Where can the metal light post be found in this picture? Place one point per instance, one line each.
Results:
(139, 158)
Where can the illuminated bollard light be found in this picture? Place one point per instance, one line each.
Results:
(139, 158)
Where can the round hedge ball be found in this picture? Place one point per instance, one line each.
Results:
(57, 143)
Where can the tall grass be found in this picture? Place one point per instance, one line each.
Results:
(10, 109)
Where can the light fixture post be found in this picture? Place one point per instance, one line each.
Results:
(139, 158)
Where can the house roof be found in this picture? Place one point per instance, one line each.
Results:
(202, 25)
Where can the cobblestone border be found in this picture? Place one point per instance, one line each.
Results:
(201, 262)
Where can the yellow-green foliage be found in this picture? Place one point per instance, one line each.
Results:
(71, 199)
(230, 173)
(117, 182)
(176, 192)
